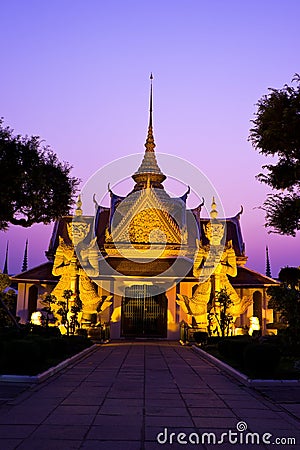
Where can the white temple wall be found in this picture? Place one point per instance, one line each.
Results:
(266, 314)
(22, 302)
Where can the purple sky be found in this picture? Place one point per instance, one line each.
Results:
(76, 73)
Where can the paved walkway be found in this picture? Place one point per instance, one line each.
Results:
(124, 394)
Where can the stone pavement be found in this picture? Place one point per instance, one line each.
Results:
(124, 394)
(8, 391)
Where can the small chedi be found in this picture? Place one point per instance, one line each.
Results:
(212, 265)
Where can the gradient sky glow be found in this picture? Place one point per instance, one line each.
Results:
(76, 73)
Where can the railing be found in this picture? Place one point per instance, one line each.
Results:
(100, 333)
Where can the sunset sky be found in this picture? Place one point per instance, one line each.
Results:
(76, 73)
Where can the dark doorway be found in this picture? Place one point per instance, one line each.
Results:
(32, 300)
(257, 305)
(144, 313)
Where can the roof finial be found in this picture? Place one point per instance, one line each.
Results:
(151, 101)
(78, 210)
(213, 212)
(150, 144)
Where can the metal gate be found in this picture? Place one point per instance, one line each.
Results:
(144, 314)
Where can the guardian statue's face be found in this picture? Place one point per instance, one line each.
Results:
(214, 233)
(77, 231)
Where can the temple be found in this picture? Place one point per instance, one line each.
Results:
(148, 264)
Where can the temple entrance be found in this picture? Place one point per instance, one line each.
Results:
(144, 314)
(32, 300)
(257, 306)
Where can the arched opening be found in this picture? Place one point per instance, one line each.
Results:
(257, 306)
(144, 314)
(32, 300)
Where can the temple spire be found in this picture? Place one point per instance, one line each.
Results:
(150, 144)
(149, 171)
(25, 257)
(268, 265)
(5, 268)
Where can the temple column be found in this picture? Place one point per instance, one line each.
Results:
(173, 327)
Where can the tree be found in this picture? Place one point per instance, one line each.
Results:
(285, 299)
(219, 314)
(290, 277)
(75, 310)
(35, 187)
(8, 300)
(48, 301)
(63, 310)
(276, 132)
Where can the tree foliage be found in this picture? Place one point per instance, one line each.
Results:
(285, 299)
(290, 277)
(35, 186)
(48, 300)
(220, 315)
(8, 302)
(276, 132)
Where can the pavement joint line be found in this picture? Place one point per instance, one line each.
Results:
(110, 387)
(251, 385)
(216, 393)
(35, 388)
(179, 391)
(82, 381)
(165, 370)
(143, 429)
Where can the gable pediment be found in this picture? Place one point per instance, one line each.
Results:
(147, 221)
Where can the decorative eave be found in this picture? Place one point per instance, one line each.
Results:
(248, 278)
(41, 274)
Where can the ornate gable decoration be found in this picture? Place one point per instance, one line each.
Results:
(146, 222)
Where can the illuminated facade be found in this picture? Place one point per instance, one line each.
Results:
(147, 263)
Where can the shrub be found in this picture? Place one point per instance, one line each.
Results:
(2, 351)
(22, 354)
(261, 359)
(81, 332)
(95, 333)
(213, 340)
(233, 347)
(270, 339)
(8, 333)
(75, 344)
(200, 337)
(45, 331)
(33, 353)
(56, 347)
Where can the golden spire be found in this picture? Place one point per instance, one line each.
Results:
(149, 167)
(213, 212)
(150, 144)
(78, 211)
